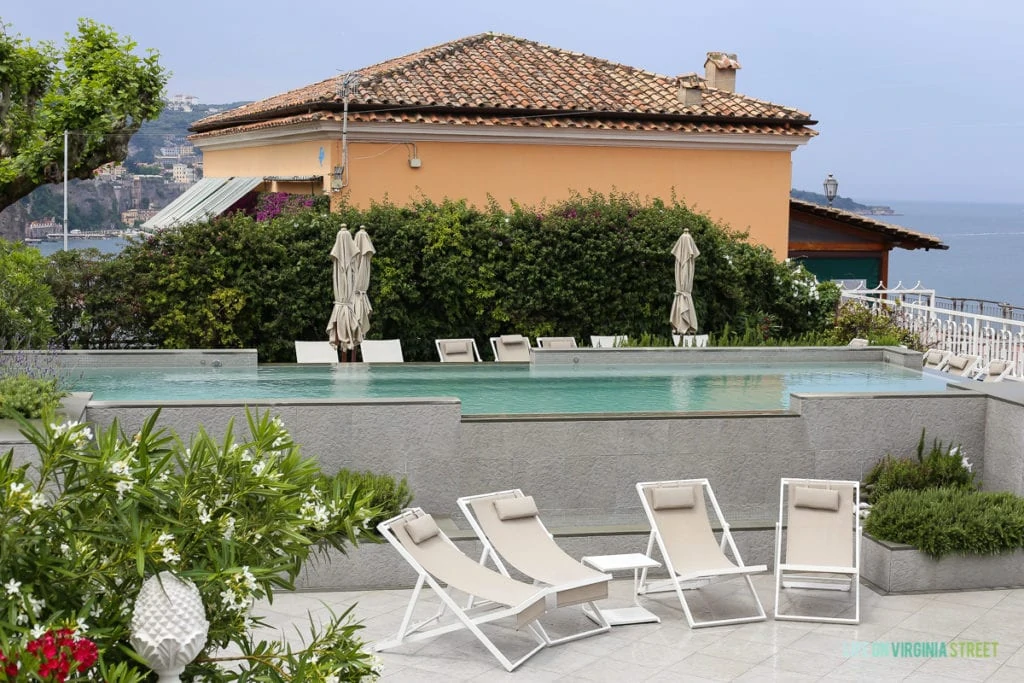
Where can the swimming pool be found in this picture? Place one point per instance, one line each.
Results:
(489, 388)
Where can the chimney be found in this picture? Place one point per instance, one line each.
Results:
(720, 71)
(689, 92)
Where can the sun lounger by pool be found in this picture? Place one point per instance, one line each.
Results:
(691, 340)
(457, 350)
(511, 348)
(822, 549)
(315, 352)
(995, 370)
(682, 532)
(382, 351)
(858, 343)
(438, 561)
(601, 341)
(508, 525)
(441, 566)
(962, 365)
(556, 342)
(935, 359)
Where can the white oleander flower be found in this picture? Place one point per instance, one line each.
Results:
(12, 587)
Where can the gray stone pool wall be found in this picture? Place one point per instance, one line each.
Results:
(582, 469)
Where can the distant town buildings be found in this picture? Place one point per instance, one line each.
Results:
(132, 217)
(38, 230)
(183, 174)
(182, 102)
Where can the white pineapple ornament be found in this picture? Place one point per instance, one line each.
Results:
(169, 625)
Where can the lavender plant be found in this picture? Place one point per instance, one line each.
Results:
(98, 513)
(30, 381)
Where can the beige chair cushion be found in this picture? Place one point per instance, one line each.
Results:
(454, 347)
(672, 497)
(958, 362)
(560, 344)
(512, 339)
(816, 499)
(515, 508)
(933, 356)
(422, 529)
(997, 367)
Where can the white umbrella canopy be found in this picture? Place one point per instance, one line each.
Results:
(684, 314)
(340, 329)
(361, 307)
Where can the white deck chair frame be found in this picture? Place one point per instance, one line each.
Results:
(382, 351)
(491, 553)
(443, 355)
(557, 342)
(608, 341)
(315, 352)
(813, 576)
(469, 619)
(507, 347)
(680, 582)
(699, 341)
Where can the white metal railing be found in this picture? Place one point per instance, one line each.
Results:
(987, 336)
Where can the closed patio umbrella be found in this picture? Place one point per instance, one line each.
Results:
(361, 307)
(340, 329)
(684, 314)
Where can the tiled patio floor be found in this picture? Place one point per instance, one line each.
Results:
(671, 651)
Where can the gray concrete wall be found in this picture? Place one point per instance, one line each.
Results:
(726, 354)
(1003, 467)
(150, 358)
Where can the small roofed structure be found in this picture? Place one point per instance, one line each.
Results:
(841, 245)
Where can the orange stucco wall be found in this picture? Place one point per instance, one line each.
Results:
(745, 189)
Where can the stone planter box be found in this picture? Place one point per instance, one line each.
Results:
(898, 568)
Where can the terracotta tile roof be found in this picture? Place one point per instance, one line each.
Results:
(493, 77)
(906, 238)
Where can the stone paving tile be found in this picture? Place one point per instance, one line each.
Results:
(671, 651)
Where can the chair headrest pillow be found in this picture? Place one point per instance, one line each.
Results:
(958, 362)
(512, 339)
(816, 499)
(515, 508)
(461, 346)
(422, 529)
(672, 497)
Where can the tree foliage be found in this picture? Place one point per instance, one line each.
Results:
(26, 303)
(96, 87)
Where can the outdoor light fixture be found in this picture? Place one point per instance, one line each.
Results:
(831, 188)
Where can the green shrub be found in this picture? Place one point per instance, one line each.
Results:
(385, 495)
(880, 327)
(99, 513)
(945, 467)
(28, 396)
(943, 521)
(589, 264)
(26, 303)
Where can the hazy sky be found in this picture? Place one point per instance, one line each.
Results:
(915, 99)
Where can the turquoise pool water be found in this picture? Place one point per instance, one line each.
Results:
(489, 388)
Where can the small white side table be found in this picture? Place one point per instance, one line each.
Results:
(617, 563)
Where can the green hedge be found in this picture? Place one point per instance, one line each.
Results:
(942, 521)
(589, 265)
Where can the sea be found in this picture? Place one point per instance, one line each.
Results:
(985, 259)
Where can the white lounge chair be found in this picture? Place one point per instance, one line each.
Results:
(691, 340)
(822, 550)
(858, 343)
(556, 342)
(438, 561)
(457, 350)
(681, 530)
(382, 351)
(964, 365)
(511, 348)
(935, 359)
(601, 341)
(315, 352)
(508, 526)
(996, 370)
